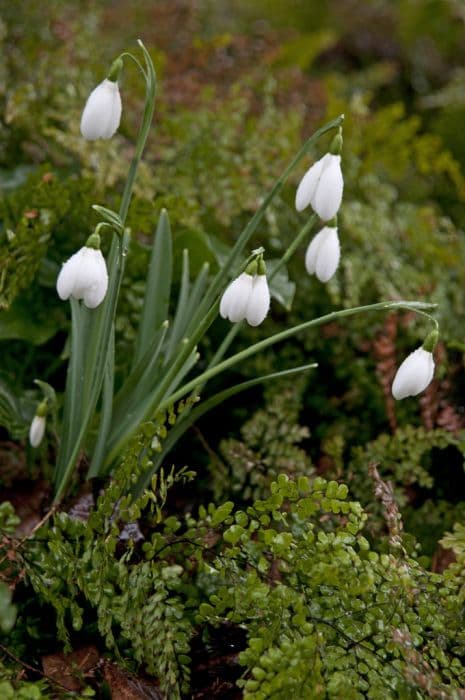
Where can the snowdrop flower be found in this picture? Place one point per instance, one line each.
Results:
(247, 297)
(102, 113)
(416, 371)
(37, 429)
(84, 275)
(323, 254)
(322, 184)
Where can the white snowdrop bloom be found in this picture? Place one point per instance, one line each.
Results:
(259, 301)
(84, 276)
(323, 254)
(37, 430)
(235, 299)
(102, 113)
(322, 187)
(414, 374)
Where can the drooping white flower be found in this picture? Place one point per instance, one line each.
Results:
(247, 297)
(37, 430)
(84, 276)
(414, 374)
(102, 113)
(323, 254)
(259, 301)
(322, 187)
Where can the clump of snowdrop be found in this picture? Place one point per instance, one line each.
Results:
(323, 253)
(102, 113)
(37, 428)
(84, 276)
(416, 371)
(248, 296)
(323, 184)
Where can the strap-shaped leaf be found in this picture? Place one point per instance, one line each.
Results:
(180, 317)
(158, 286)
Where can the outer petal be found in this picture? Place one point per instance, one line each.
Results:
(238, 294)
(102, 113)
(323, 254)
(97, 279)
(259, 302)
(414, 374)
(37, 430)
(67, 277)
(312, 252)
(329, 254)
(328, 194)
(225, 302)
(308, 184)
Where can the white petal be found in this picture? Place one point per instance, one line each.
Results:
(414, 374)
(92, 279)
(67, 277)
(323, 254)
(328, 194)
(102, 113)
(228, 294)
(259, 302)
(37, 430)
(312, 252)
(329, 255)
(237, 297)
(308, 184)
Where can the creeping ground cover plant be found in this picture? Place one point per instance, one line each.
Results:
(100, 415)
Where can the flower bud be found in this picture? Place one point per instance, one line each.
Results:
(414, 374)
(102, 113)
(37, 428)
(323, 254)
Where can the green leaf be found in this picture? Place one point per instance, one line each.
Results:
(281, 287)
(221, 513)
(158, 286)
(17, 323)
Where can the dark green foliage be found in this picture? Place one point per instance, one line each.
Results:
(86, 565)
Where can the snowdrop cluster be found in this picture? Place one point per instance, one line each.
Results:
(416, 371)
(247, 297)
(102, 114)
(84, 276)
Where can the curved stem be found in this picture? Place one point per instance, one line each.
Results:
(288, 333)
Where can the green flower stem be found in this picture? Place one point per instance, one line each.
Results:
(85, 375)
(288, 333)
(304, 231)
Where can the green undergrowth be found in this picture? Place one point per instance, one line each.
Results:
(326, 613)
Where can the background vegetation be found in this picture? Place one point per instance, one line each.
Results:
(309, 560)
